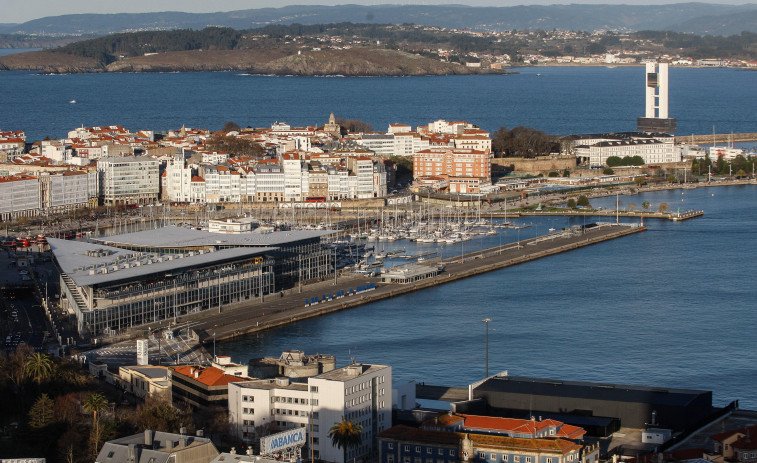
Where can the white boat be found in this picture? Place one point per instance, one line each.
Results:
(72, 101)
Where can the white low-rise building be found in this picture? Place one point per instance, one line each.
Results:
(361, 393)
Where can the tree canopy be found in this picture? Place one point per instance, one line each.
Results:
(523, 142)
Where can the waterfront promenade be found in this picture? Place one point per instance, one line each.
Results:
(287, 307)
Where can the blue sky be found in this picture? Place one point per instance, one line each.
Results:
(14, 11)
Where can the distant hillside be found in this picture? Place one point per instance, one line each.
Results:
(688, 17)
(275, 61)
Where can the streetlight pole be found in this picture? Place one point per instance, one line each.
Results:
(486, 321)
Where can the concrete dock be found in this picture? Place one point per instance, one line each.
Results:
(277, 309)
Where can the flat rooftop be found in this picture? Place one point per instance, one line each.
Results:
(345, 373)
(180, 237)
(80, 261)
(590, 390)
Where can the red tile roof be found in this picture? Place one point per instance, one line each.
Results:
(210, 376)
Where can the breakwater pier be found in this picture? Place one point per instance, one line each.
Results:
(290, 306)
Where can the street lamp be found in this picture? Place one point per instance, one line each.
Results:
(486, 321)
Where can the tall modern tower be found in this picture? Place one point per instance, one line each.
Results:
(656, 116)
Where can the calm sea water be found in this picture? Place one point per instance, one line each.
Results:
(673, 306)
(561, 100)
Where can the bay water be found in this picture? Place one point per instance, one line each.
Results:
(672, 306)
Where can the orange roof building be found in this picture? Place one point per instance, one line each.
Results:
(201, 386)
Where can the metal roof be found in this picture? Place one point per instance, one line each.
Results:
(180, 237)
(77, 259)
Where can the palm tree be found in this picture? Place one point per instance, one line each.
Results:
(94, 403)
(346, 434)
(39, 366)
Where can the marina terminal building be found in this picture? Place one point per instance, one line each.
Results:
(118, 282)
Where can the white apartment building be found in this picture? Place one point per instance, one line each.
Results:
(407, 144)
(177, 181)
(362, 169)
(651, 151)
(19, 196)
(129, 179)
(295, 182)
(361, 393)
(67, 190)
(56, 150)
(381, 144)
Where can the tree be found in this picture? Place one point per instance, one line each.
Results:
(354, 125)
(523, 141)
(41, 413)
(608, 171)
(571, 203)
(645, 205)
(583, 201)
(230, 127)
(345, 434)
(39, 367)
(671, 178)
(553, 174)
(95, 403)
(631, 206)
(639, 181)
(663, 207)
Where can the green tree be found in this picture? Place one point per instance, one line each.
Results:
(39, 367)
(553, 174)
(671, 178)
(608, 171)
(663, 207)
(572, 203)
(345, 434)
(583, 201)
(566, 173)
(639, 181)
(645, 205)
(41, 414)
(94, 404)
(230, 126)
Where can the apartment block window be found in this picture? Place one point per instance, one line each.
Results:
(441, 452)
(493, 457)
(549, 460)
(314, 389)
(452, 453)
(528, 459)
(390, 445)
(417, 449)
(482, 455)
(406, 460)
(407, 448)
(505, 457)
(516, 459)
(390, 459)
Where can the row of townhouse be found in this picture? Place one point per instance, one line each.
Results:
(295, 176)
(27, 195)
(12, 143)
(401, 140)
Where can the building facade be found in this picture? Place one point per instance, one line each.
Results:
(129, 179)
(360, 393)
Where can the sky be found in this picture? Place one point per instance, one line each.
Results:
(17, 11)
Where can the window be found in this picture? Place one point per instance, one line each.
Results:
(390, 459)
(441, 452)
(516, 459)
(528, 459)
(505, 457)
(493, 457)
(549, 460)
(452, 453)
(429, 450)
(390, 445)
(482, 455)
(417, 449)
(407, 448)
(110, 454)
(406, 460)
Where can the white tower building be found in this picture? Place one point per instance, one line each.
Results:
(656, 117)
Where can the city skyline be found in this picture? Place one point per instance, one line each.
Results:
(19, 12)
